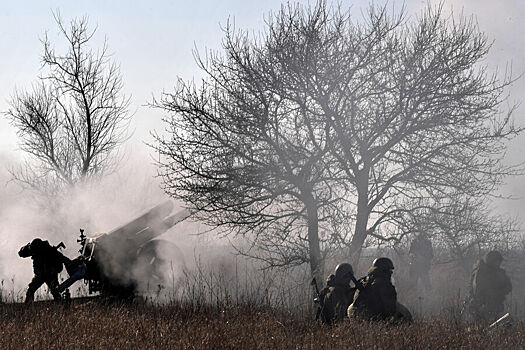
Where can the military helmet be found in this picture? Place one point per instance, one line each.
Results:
(37, 242)
(383, 263)
(343, 269)
(38, 245)
(493, 258)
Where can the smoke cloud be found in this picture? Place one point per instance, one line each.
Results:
(97, 207)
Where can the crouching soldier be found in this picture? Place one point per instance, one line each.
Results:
(337, 295)
(376, 297)
(47, 264)
(489, 287)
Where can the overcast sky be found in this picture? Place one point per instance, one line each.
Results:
(153, 42)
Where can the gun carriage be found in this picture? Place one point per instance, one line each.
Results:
(117, 263)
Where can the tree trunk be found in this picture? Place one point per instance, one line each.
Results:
(361, 223)
(316, 263)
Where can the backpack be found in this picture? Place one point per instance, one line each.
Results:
(51, 255)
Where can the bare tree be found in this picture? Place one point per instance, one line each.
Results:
(414, 113)
(247, 152)
(73, 120)
(466, 227)
(326, 122)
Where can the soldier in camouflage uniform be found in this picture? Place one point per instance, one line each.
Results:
(337, 295)
(421, 254)
(489, 287)
(376, 298)
(47, 264)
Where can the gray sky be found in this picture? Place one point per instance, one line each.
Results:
(153, 41)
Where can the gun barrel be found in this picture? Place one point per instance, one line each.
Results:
(357, 283)
(144, 220)
(502, 320)
(159, 228)
(143, 229)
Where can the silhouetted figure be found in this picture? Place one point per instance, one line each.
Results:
(47, 264)
(377, 298)
(337, 295)
(489, 287)
(421, 254)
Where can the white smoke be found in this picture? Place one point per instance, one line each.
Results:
(96, 207)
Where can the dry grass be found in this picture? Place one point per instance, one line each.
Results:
(235, 306)
(141, 326)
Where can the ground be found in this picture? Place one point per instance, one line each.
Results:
(95, 325)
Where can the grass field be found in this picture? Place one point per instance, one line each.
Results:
(95, 325)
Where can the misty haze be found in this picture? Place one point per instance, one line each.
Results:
(269, 174)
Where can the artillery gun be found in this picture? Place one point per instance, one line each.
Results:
(117, 263)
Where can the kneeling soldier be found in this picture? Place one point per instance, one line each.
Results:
(337, 295)
(489, 287)
(376, 299)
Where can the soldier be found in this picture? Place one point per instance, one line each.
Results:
(376, 298)
(337, 295)
(489, 286)
(47, 264)
(421, 254)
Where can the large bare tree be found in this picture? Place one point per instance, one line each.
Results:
(74, 118)
(323, 121)
(246, 151)
(414, 112)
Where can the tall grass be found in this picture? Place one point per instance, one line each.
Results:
(95, 325)
(232, 304)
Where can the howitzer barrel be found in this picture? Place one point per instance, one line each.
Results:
(159, 228)
(147, 219)
(142, 229)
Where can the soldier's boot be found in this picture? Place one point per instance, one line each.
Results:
(30, 296)
(35, 283)
(56, 295)
(53, 288)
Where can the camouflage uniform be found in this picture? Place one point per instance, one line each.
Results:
(337, 295)
(421, 254)
(47, 264)
(489, 286)
(377, 300)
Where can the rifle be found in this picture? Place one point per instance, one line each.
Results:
(505, 321)
(318, 299)
(465, 307)
(358, 284)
